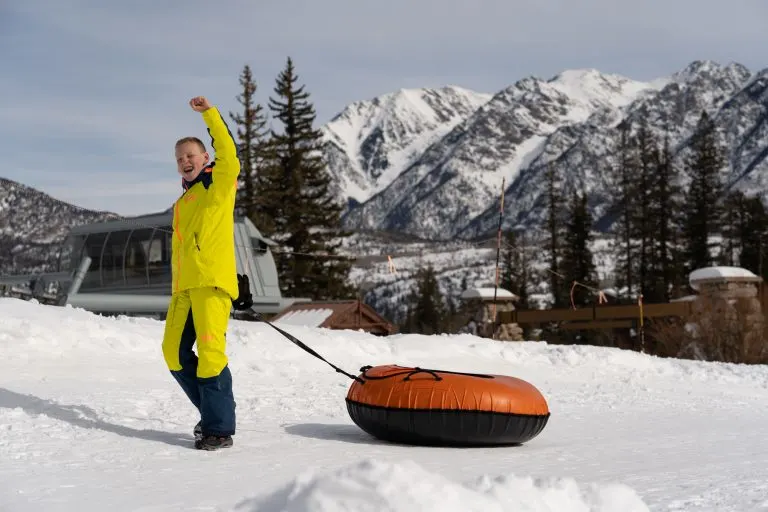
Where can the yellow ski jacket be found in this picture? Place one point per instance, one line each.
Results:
(203, 247)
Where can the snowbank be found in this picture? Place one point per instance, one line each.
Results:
(375, 486)
(92, 417)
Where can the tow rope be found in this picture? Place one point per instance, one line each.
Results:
(244, 302)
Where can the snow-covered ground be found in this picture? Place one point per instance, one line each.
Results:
(91, 420)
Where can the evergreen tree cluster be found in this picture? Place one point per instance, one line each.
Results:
(285, 187)
(568, 237)
(567, 241)
(427, 312)
(669, 213)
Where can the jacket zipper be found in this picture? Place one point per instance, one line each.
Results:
(196, 243)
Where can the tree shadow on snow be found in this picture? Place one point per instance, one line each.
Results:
(333, 432)
(84, 417)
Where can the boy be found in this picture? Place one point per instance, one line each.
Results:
(204, 278)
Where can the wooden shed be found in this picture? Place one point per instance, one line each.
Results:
(342, 314)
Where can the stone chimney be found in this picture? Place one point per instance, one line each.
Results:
(480, 300)
(732, 295)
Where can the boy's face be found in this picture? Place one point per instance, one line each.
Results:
(190, 160)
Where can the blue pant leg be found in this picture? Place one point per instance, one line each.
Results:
(217, 404)
(187, 376)
(211, 308)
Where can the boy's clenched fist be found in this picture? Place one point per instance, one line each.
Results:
(199, 104)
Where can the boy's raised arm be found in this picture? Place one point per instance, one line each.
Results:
(222, 142)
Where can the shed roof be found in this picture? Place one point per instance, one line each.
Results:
(486, 293)
(342, 314)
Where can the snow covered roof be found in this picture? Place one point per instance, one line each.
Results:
(336, 314)
(487, 294)
(305, 317)
(720, 274)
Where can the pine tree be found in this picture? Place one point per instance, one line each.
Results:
(554, 232)
(251, 123)
(704, 199)
(452, 309)
(665, 212)
(643, 225)
(578, 262)
(733, 218)
(753, 236)
(625, 207)
(515, 272)
(309, 214)
(428, 311)
(516, 275)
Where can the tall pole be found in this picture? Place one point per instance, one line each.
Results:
(498, 254)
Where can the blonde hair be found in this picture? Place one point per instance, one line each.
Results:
(193, 140)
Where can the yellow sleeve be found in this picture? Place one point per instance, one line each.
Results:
(227, 166)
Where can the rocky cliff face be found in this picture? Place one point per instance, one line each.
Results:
(449, 185)
(33, 225)
(371, 143)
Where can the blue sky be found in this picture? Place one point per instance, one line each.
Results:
(93, 94)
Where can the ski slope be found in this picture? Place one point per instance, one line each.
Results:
(91, 421)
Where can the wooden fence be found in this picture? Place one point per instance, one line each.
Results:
(597, 316)
(610, 316)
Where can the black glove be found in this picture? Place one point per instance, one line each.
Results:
(244, 300)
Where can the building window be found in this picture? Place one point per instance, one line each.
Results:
(112, 259)
(94, 243)
(136, 257)
(159, 254)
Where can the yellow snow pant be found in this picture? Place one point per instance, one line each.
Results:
(200, 316)
(210, 308)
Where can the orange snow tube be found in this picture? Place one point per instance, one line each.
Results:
(436, 407)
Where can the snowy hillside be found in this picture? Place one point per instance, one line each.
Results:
(583, 154)
(628, 432)
(570, 121)
(32, 224)
(371, 142)
(459, 177)
(458, 264)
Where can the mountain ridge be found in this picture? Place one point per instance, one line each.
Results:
(32, 226)
(375, 139)
(452, 188)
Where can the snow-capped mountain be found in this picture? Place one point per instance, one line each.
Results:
(571, 120)
(33, 225)
(584, 153)
(370, 143)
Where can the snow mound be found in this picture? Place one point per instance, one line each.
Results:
(376, 486)
(720, 274)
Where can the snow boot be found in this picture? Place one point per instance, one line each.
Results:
(198, 430)
(213, 442)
